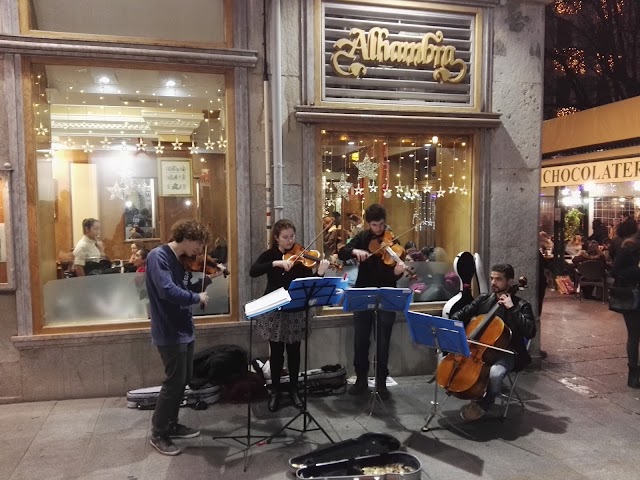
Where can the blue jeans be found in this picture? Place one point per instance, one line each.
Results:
(362, 326)
(498, 371)
(178, 367)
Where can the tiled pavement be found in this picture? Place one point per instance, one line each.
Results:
(581, 422)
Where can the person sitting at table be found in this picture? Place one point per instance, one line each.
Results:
(88, 249)
(574, 246)
(592, 252)
(546, 244)
(140, 260)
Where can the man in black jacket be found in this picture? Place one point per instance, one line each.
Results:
(372, 272)
(517, 314)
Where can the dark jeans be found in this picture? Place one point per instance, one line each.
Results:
(178, 367)
(277, 362)
(362, 326)
(632, 320)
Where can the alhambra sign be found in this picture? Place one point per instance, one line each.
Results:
(373, 48)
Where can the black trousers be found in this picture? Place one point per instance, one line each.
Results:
(632, 321)
(277, 362)
(362, 327)
(178, 367)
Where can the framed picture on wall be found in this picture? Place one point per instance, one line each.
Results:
(175, 177)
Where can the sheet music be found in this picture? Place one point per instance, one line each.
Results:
(267, 303)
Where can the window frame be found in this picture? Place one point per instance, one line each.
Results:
(24, 21)
(35, 295)
(6, 174)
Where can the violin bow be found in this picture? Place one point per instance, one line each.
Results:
(398, 236)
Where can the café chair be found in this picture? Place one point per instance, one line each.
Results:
(510, 382)
(591, 273)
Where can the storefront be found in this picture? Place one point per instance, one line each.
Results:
(591, 170)
(139, 123)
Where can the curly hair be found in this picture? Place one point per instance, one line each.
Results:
(189, 230)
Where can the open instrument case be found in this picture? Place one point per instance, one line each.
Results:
(368, 457)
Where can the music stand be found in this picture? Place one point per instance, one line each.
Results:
(374, 299)
(442, 334)
(306, 293)
(245, 440)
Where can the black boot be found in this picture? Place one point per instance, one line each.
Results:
(633, 380)
(274, 401)
(361, 386)
(295, 397)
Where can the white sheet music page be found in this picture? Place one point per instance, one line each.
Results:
(268, 302)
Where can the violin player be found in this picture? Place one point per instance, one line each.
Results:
(170, 294)
(518, 316)
(372, 272)
(283, 329)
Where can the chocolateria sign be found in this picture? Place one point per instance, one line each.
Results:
(622, 170)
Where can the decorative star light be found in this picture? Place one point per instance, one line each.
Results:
(464, 191)
(159, 149)
(177, 145)
(209, 144)
(366, 168)
(68, 143)
(427, 188)
(373, 187)
(193, 149)
(116, 191)
(440, 192)
(399, 187)
(222, 143)
(343, 187)
(41, 130)
(88, 148)
(453, 188)
(124, 147)
(106, 142)
(331, 202)
(358, 191)
(140, 145)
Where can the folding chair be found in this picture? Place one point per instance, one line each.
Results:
(593, 273)
(512, 378)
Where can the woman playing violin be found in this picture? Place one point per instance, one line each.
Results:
(517, 315)
(283, 329)
(373, 271)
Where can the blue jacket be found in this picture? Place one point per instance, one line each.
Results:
(170, 296)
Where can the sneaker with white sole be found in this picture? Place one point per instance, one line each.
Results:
(164, 445)
(177, 430)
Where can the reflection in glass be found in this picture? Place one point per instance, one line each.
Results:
(423, 181)
(99, 149)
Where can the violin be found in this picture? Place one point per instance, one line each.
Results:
(308, 258)
(197, 264)
(390, 251)
(488, 337)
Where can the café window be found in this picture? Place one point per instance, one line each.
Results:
(423, 181)
(199, 21)
(136, 150)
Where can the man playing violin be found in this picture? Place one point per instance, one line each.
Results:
(517, 314)
(372, 272)
(170, 295)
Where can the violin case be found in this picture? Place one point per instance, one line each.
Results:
(146, 398)
(325, 380)
(352, 459)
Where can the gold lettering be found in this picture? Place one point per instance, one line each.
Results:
(373, 47)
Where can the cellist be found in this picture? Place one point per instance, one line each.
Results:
(517, 314)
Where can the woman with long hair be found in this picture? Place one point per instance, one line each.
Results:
(284, 329)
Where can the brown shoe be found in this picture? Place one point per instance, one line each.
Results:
(472, 411)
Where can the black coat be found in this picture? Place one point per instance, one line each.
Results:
(518, 318)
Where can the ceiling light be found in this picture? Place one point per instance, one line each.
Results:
(104, 80)
(170, 83)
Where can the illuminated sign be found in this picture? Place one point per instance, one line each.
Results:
(622, 170)
(374, 48)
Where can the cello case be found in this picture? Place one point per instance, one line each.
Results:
(481, 278)
(465, 267)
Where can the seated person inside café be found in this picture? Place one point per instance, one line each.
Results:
(88, 252)
(574, 245)
(592, 252)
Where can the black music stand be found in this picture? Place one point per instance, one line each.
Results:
(245, 440)
(306, 293)
(442, 334)
(374, 299)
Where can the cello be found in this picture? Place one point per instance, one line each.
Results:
(468, 377)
